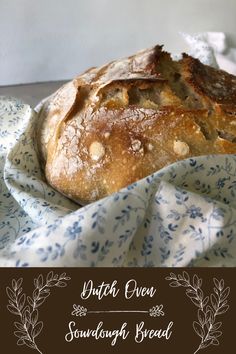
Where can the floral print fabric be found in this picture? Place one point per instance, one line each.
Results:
(183, 215)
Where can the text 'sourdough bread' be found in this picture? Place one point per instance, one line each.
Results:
(116, 124)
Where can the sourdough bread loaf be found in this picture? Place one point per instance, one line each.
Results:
(114, 125)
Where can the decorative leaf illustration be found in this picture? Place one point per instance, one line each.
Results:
(37, 329)
(11, 294)
(201, 317)
(213, 301)
(205, 301)
(205, 344)
(207, 328)
(223, 310)
(30, 301)
(31, 344)
(225, 294)
(215, 342)
(29, 327)
(195, 281)
(175, 284)
(49, 276)
(216, 326)
(20, 341)
(21, 302)
(216, 334)
(61, 284)
(79, 310)
(34, 317)
(198, 329)
(19, 326)
(156, 311)
(19, 334)
(40, 281)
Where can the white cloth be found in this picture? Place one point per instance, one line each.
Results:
(212, 49)
(183, 215)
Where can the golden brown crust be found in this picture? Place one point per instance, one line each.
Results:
(116, 124)
(216, 85)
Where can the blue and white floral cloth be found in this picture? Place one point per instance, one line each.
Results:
(183, 215)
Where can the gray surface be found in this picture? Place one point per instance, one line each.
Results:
(31, 93)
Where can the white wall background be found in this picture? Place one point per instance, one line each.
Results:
(42, 40)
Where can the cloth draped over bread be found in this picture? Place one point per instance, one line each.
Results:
(180, 215)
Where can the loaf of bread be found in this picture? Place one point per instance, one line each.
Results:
(116, 124)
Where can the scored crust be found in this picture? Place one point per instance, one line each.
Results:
(114, 125)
